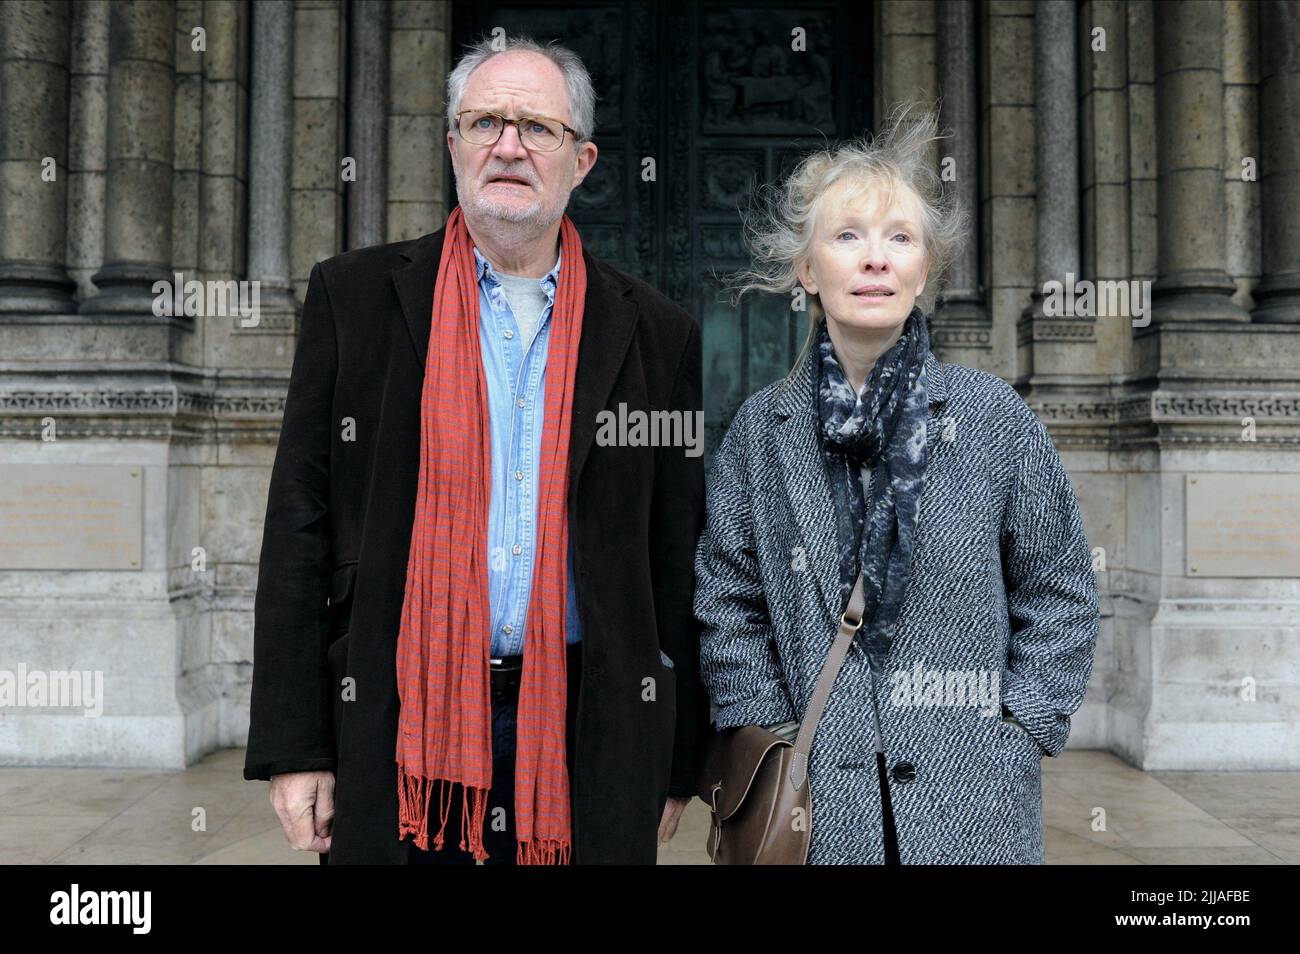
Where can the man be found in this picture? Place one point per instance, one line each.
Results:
(507, 665)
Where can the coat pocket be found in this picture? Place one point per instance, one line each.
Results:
(1019, 744)
(1021, 760)
(341, 587)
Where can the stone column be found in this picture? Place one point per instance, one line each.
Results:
(1241, 194)
(1104, 171)
(1278, 293)
(1193, 284)
(1061, 345)
(417, 125)
(963, 301)
(270, 169)
(87, 142)
(223, 182)
(1056, 144)
(905, 68)
(316, 194)
(34, 50)
(138, 213)
(1007, 120)
(367, 122)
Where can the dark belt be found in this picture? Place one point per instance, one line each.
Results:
(507, 671)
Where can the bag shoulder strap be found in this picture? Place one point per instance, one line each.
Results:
(850, 623)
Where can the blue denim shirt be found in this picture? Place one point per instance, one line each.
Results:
(516, 384)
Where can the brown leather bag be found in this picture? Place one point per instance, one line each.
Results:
(756, 783)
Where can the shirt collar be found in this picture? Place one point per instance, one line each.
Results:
(484, 268)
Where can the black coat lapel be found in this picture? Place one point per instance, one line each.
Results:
(415, 289)
(608, 320)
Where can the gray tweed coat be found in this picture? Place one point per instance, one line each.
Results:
(1001, 590)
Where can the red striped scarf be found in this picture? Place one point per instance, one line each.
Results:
(445, 719)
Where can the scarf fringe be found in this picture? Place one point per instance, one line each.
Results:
(543, 851)
(413, 796)
(412, 808)
(473, 811)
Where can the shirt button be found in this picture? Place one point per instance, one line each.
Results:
(516, 549)
(519, 475)
(507, 629)
(510, 334)
(521, 402)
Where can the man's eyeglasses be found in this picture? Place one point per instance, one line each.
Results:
(541, 133)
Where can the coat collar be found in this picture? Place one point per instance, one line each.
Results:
(609, 319)
(807, 488)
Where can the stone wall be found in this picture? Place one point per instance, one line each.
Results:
(216, 155)
(1138, 141)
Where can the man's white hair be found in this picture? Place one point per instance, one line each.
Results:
(582, 98)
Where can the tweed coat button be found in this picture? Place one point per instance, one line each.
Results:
(904, 772)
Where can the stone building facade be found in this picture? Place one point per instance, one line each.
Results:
(1153, 144)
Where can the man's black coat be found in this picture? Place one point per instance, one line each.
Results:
(338, 523)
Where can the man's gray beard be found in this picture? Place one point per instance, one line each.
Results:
(534, 218)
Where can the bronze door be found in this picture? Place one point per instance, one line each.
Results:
(697, 103)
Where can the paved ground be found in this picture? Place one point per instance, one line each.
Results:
(115, 816)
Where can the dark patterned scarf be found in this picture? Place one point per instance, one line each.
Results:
(884, 426)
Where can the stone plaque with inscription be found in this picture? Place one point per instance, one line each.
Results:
(71, 516)
(1243, 525)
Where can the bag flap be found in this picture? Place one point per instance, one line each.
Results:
(734, 758)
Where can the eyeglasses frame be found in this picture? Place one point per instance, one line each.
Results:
(506, 121)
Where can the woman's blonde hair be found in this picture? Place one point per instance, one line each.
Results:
(780, 225)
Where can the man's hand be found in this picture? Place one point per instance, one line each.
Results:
(673, 809)
(304, 802)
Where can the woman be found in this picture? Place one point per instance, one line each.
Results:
(981, 611)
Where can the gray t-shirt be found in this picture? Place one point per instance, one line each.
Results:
(527, 297)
